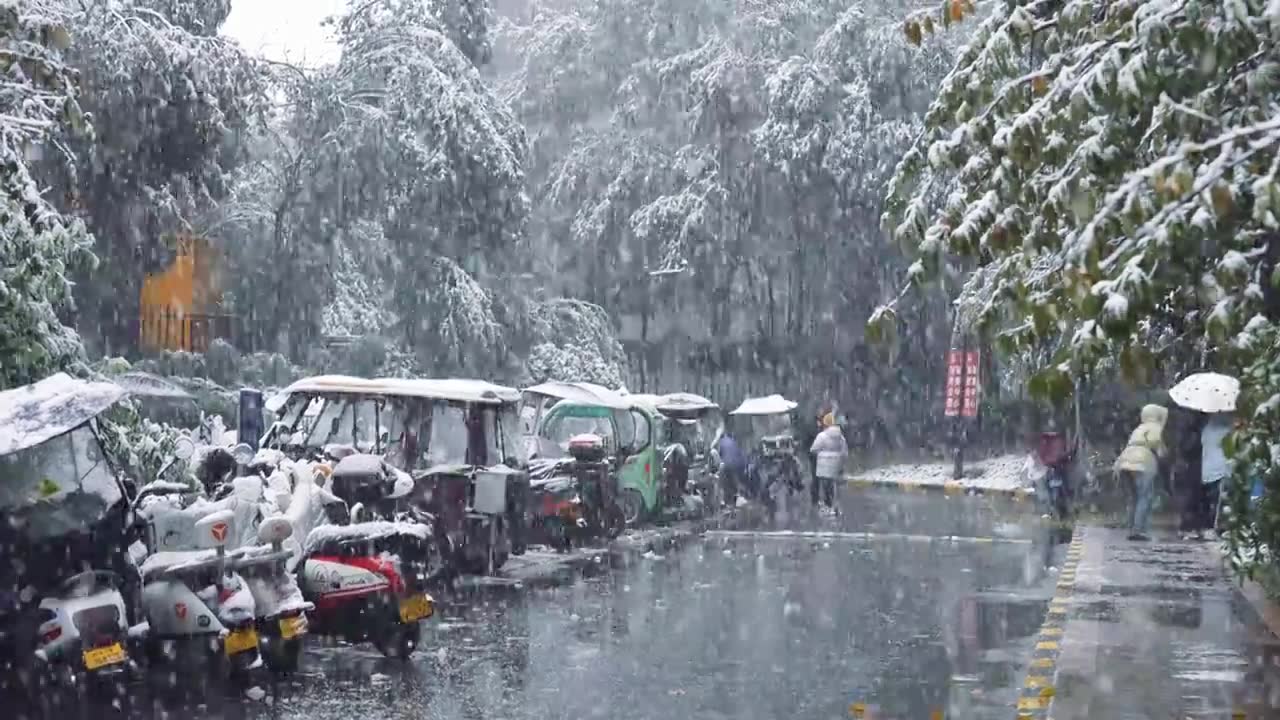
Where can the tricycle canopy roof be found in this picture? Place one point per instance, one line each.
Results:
(451, 389)
(680, 404)
(141, 384)
(581, 393)
(36, 413)
(769, 405)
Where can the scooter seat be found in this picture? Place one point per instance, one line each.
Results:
(175, 561)
(549, 482)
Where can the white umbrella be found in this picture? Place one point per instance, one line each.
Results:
(1207, 392)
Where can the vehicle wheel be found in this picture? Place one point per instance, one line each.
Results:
(632, 504)
(398, 640)
(715, 497)
(557, 534)
(615, 520)
(282, 656)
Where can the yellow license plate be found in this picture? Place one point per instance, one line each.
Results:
(292, 627)
(241, 640)
(413, 609)
(101, 657)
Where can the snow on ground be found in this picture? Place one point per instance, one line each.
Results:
(998, 473)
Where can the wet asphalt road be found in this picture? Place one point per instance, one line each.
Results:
(731, 625)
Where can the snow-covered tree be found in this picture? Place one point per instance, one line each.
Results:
(168, 105)
(739, 156)
(39, 247)
(1113, 169)
(429, 153)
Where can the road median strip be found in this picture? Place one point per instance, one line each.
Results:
(1038, 688)
(947, 487)
(861, 536)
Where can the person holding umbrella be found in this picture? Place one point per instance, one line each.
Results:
(1214, 395)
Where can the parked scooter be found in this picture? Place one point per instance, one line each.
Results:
(366, 565)
(201, 612)
(577, 499)
(250, 555)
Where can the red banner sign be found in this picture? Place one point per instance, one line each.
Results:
(963, 386)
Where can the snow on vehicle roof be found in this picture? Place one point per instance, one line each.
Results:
(359, 465)
(770, 405)
(454, 389)
(36, 413)
(141, 384)
(686, 401)
(676, 402)
(582, 393)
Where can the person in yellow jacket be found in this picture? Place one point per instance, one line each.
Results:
(1139, 464)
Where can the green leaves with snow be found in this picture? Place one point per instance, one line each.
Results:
(1134, 148)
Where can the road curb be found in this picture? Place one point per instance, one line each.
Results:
(622, 550)
(1264, 610)
(950, 487)
(1039, 686)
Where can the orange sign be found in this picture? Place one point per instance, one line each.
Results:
(963, 373)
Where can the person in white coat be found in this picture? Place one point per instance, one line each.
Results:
(830, 451)
(1138, 466)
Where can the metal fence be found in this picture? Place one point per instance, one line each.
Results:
(170, 328)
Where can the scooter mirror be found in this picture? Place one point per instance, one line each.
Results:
(242, 453)
(184, 448)
(214, 529)
(275, 530)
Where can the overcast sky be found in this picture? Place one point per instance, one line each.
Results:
(284, 29)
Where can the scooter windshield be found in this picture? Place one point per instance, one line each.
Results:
(58, 487)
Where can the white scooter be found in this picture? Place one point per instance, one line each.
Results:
(257, 557)
(82, 639)
(201, 612)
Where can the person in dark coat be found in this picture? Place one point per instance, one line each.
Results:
(808, 431)
(1185, 469)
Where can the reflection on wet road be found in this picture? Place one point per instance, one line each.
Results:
(741, 627)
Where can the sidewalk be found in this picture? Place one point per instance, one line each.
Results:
(1153, 630)
(993, 476)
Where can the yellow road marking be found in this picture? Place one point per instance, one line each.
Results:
(1037, 681)
(1051, 632)
(1042, 663)
(1033, 703)
(1047, 645)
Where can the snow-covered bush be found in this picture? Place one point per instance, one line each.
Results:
(1253, 527)
(572, 363)
(222, 360)
(138, 446)
(574, 342)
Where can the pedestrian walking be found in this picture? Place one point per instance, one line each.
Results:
(734, 462)
(808, 434)
(830, 451)
(1138, 466)
(1214, 468)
